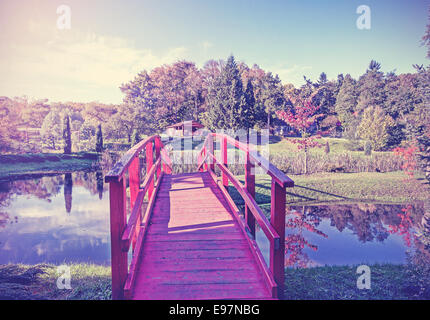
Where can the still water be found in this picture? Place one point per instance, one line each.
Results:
(56, 219)
(351, 234)
(65, 218)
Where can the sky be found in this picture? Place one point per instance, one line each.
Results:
(109, 42)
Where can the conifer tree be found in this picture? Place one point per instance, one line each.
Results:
(99, 139)
(67, 136)
(346, 102)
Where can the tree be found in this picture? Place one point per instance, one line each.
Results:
(426, 37)
(51, 129)
(272, 96)
(345, 105)
(303, 117)
(99, 139)
(67, 136)
(226, 100)
(371, 88)
(135, 137)
(374, 127)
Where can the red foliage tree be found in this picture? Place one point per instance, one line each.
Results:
(303, 117)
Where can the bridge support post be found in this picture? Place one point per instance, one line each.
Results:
(250, 187)
(277, 219)
(118, 216)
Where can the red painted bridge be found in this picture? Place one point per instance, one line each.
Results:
(190, 241)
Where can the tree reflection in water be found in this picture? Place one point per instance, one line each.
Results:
(368, 222)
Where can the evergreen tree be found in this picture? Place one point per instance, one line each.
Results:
(272, 95)
(345, 104)
(228, 108)
(371, 88)
(99, 139)
(67, 136)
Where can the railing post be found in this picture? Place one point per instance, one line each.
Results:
(205, 165)
(250, 187)
(158, 154)
(134, 185)
(210, 149)
(117, 198)
(277, 219)
(224, 161)
(149, 164)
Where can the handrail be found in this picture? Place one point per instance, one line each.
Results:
(267, 228)
(275, 229)
(132, 232)
(122, 165)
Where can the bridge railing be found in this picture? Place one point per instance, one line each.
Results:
(275, 229)
(126, 233)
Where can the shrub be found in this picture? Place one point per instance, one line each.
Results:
(367, 148)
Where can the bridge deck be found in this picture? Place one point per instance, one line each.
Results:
(194, 247)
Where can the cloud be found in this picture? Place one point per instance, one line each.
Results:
(207, 44)
(71, 65)
(292, 74)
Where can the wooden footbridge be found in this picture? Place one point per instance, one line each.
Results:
(190, 241)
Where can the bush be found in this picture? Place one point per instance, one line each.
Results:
(327, 148)
(367, 148)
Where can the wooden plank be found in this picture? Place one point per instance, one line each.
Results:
(189, 245)
(248, 290)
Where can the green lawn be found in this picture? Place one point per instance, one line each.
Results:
(19, 166)
(387, 282)
(24, 282)
(346, 187)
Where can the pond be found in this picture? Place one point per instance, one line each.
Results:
(55, 219)
(351, 234)
(65, 218)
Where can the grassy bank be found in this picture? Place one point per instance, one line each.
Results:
(20, 166)
(388, 282)
(92, 282)
(24, 282)
(346, 187)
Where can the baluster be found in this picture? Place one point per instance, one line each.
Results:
(157, 154)
(149, 164)
(250, 187)
(224, 160)
(277, 220)
(134, 185)
(205, 165)
(210, 150)
(118, 216)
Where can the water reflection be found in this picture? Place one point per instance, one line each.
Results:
(352, 234)
(55, 219)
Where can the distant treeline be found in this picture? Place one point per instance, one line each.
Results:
(383, 108)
